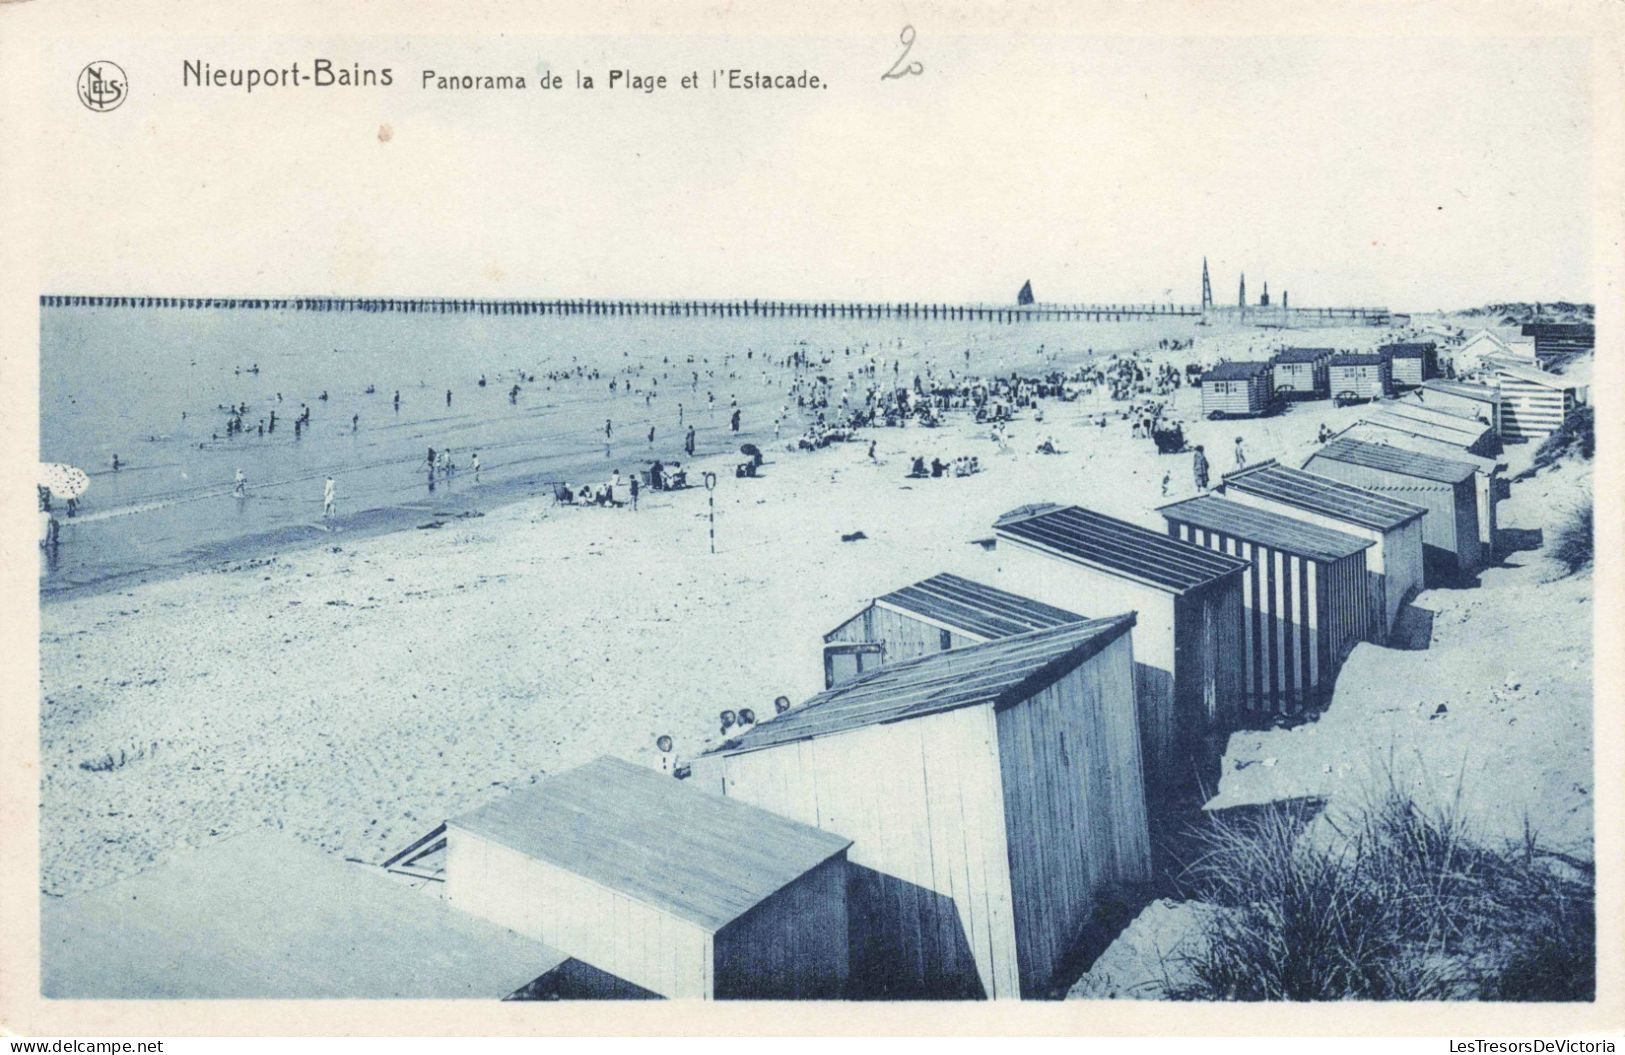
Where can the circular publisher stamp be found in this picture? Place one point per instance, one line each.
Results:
(103, 86)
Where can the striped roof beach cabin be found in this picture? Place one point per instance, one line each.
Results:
(992, 792)
(1445, 487)
(1393, 563)
(1187, 640)
(677, 890)
(1301, 373)
(933, 615)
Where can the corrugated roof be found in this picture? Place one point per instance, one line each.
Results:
(264, 916)
(1321, 494)
(699, 856)
(1395, 459)
(1412, 350)
(1433, 430)
(1534, 375)
(1458, 418)
(1449, 450)
(1302, 355)
(1123, 549)
(1000, 673)
(1265, 528)
(971, 607)
(1357, 359)
(1466, 389)
(1240, 370)
(1558, 329)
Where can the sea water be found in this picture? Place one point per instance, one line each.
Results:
(151, 385)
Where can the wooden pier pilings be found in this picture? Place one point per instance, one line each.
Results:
(713, 308)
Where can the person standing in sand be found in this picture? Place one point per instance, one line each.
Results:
(329, 498)
(688, 441)
(1241, 454)
(1199, 468)
(240, 488)
(634, 490)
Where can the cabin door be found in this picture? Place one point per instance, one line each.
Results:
(1210, 664)
(845, 660)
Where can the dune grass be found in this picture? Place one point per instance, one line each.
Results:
(1404, 905)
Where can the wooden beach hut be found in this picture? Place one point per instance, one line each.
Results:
(1444, 487)
(1301, 373)
(1556, 341)
(992, 792)
(1410, 363)
(1477, 401)
(262, 916)
(1534, 403)
(1394, 561)
(1306, 597)
(933, 615)
(1237, 390)
(1355, 377)
(682, 892)
(1187, 641)
(1487, 345)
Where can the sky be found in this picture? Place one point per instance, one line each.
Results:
(1415, 173)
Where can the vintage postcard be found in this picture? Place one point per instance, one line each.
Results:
(939, 517)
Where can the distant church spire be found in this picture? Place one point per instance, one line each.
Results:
(1241, 299)
(1207, 288)
(1264, 301)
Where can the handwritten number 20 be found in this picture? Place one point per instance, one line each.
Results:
(902, 67)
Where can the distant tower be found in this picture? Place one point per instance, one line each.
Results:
(1264, 301)
(1283, 300)
(1207, 289)
(1241, 299)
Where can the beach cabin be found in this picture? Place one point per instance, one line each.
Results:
(1306, 597)
(1237, 390)
(1444, 487)
(1487, 483)
(933, 615)
(1556, 341)
(1487, 345)
(1534, 403)
(1355, 377)
(1409, 364)
(262, 916)
(992, 793)
(1477, 401)
(1187, 641)
(677, 890)
(1302, 373)
(1394, 561)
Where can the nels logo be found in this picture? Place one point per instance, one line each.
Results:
(103, 86)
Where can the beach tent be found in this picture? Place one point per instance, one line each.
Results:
(1394, 561)
(1187, 638)
(1443, 486)
(993, 794)
(933, 615)
(675, 889)
(1306, 597)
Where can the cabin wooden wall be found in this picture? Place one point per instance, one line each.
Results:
(1532, 411)
(1096, 594)
(1382, 604)
(1450, 528)
(607, 929)
(928, 898)
(1244, 397)
(905, 636)
(1484, 410)
(1300, 380)
(1074, 806)
(1368, 381)
(793, 946)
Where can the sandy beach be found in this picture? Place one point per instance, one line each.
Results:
(358, 693)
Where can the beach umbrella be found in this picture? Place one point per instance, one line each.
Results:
(749, 449)
(64, 481)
